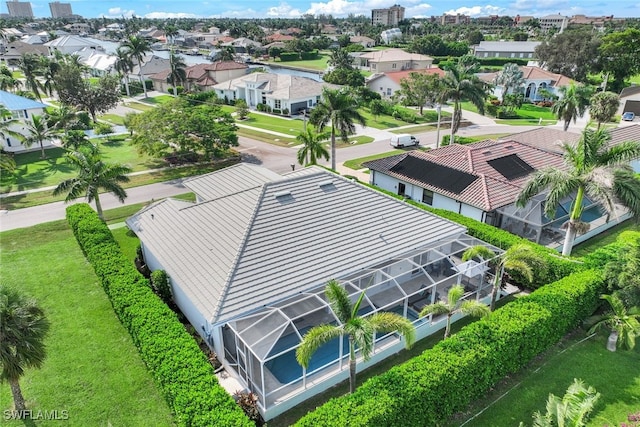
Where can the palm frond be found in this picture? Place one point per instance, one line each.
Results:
(435, 308)
(479, 251)
(520, 266)
(390, 322)
(339, 300)
(314, 339)
(454, 295)
(474, 308)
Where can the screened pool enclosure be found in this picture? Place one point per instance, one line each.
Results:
(261, 346)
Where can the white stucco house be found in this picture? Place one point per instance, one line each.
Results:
(250, 259)
(535, 79)
(387, 84)
(22, 109)
(388, 60)
(70, 44)
(506, 49)
(630, 100)
(482, 181)
(278, 91)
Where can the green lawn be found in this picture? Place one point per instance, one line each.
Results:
(356, 164)
(34, 172)
(93, 370)
(159, 100)
(138, 106)
(614, 374)
(319, 64)
(635, 79)
(604, 238)
(112, 118)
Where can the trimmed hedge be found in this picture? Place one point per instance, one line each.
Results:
(178, 366)
(430, 388)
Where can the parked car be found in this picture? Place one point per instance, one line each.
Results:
(628, 116)
(404, 140)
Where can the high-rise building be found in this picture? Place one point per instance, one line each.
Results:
(60, 10)
(18, 9)
(387, 17)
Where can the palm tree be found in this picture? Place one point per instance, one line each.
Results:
(511, 78)
(624, 323)
(518, 259)
(312, 147)
(593, 169)
(571, 410)
(23, 328)
(29, 64)
(38, 131)
(360, 330)
(50, 68)
(6, 121)
(339, 109)
(572, 104)
(7, 162)
(461, 83)
(93, 175)
(137, 48)
(170, 32)
(455, 304)
(61, 118)
(123, 66)
(177, 74)
(603, 107)
(7, 81)
(340, 58)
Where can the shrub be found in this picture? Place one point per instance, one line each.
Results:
(180, 369)
(285, 111)
(313, 54)
(491, 108)
(161, 285)
(289, 56)
(428, 389)
(276, 111)
(458, 139)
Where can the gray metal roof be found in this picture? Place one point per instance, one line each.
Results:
(235, 254)
(236, 178)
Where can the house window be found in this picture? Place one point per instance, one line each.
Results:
(8, 142)
(401, 188)
(310, 103)
(521, 55)
(530, 55)
(388, 91)
(497, 55)
(486, 54)
(393, 65)
(264, 99)
(277, 105)
(373, 66)
(513, 54)
(17, 114)
(427, 197)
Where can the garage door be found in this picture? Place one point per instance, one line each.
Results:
(633, 106)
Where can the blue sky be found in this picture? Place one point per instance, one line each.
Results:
(338, 8)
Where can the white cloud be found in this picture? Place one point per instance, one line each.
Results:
(475, 11)
(283, 10)
(533, 6)
(170, 15)
(118, 12)
(423, 10)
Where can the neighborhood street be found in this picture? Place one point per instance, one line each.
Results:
(279, 159)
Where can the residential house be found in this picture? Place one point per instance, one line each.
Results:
(13, 51)
(366, 42)
(387, 84)
(383, 61)
(151, 65)
(506, 49)
(482, 181)
(630, 100)
(249, 260)
(71, 44)
(243, 45)
(281, 92)
(202, 77)
(535, 80)
(98, 63)
(22, 109)
(279, 37)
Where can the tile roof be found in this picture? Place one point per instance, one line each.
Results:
(630, 91)
(534, 73)
(397, 76)
(278, 86)
(267, 242)
(14, 102)
(491, 190)
(390, 55)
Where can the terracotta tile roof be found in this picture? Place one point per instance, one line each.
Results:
(390, 55)
(397, 76)
(491, 190)
(277, 37)
(550, 139)
(534, 73)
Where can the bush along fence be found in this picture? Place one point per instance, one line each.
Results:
(430, 388)
(178, 366)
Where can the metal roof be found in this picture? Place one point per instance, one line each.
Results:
(15, 103)
(237, 253)
(227, 181)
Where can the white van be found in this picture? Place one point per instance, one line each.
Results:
(404, 140)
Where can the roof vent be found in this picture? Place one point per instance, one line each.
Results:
(325, 183)
(282, 194)
(509, 147)
(486, 153)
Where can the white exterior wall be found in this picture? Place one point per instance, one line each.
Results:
(383, 86)
(12, 144)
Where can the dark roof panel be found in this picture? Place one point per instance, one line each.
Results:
(511, 166)
(434, 174)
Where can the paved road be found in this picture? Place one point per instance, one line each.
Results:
(279, 159)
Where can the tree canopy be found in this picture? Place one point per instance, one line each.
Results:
(573, 53)
(180, 127)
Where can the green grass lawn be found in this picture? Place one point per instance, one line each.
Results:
(138, 106)
(319, 64)
(604, 238)
(92, 370)
(614, 374)
(356, 164)
(34, 172)
(635, 79)
(159, 100)
(112, 118)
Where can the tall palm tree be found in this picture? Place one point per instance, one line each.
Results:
(38, 131)
(593, 169)
(339, 109)
(455, 304)
(624, 323)
(138, 47)
(123, 66)
(511, 78)
(461, 83)
(312, 147)
(7, 162)
(603, 107)
(61, 118)
(29, 64)
(50, 68)
(170, 32)
(93, 175)
(572, 104)
(23, 328)
(520, 259)
(177, 73)
(571, 410)
(360, 330)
